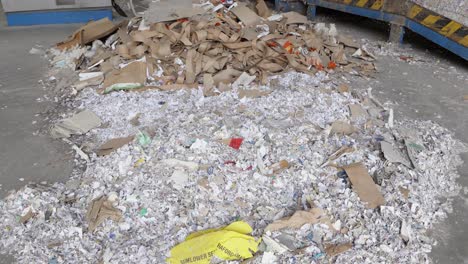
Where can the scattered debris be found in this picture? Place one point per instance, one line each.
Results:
(188, 86)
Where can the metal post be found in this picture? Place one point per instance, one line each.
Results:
(397, 32)
(311, 11)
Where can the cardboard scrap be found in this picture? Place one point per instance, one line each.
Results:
(263, 9)
(333, 249)
(246, 15)
(465, 97)
(343, 88)
(134, 73)
(300, 218)
(364, 186)
(341, 127)
(295, 18)
(357, 111)
(364, 55)
(113, 144)
(25, 218)
(394, 155)
(169, 10)
(279, 166)
(89, 33)
(348, 41)
(99, 211)
(252, 93)
(76, 125)
(405, 192)
(243, 81)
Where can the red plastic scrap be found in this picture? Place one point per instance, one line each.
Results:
(236, 143)
(331, 65)
(288, 46)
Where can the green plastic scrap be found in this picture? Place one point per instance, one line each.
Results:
(143, 139)
(143, 211)
(122, 86)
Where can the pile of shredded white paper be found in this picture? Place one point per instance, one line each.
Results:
(161, 204)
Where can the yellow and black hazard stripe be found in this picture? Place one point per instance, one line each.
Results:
(370, 4)
(440, 24)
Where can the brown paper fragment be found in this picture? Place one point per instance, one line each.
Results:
(262, 9)
(226, 76)
(89, 33)
(99, 211)
(340, 127)
(279, 166)
(113, 144)
(364, 186)
(465, 98)
(246, 15)
(54, 244)
(298, 219)
(135, 72)
(405, 192)
(348, 41)
(333, 249)
(252, 93)
(343, 88)
(357, 111)
(25, 218)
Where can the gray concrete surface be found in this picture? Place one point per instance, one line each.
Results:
(430, 92)
(23, 154)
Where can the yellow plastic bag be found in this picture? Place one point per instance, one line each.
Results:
(228, 243)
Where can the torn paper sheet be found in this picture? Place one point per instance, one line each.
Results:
(341, 127)
(357, 112)
(243, 81)
(113, 144)
(300, 218)
(334, 249)
(100, 210)
(364, 186)
(76, 125)
(393, 154)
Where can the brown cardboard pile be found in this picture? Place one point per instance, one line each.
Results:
(214, 48)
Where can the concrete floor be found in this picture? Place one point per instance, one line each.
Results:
(420, 94)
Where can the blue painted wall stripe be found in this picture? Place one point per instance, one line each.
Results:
(56, 17)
